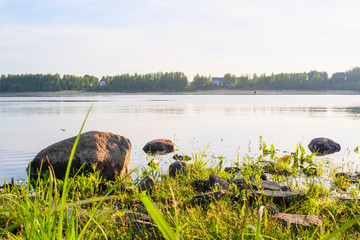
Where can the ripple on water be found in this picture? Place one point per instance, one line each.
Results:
(13, 164)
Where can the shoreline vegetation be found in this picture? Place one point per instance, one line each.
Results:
(269, 196)
(74, 93)
(178, 82)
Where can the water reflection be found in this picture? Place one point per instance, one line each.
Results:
(225, 122)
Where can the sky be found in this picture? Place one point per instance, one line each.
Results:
(209, 37)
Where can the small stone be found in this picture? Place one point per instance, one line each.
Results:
(232, 169)
(179, 157)
(154, 162)
(272, 210)
(130, 216)
(345, 175)
(146, 184)
(240, 183)
(216, 181)
(159, 146)
(209, 197)
(266, 185)
(296, 220)
(140, 224)
(323, 146)
(178, 167)
(278, 197)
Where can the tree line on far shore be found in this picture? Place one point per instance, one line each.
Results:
(178, 81)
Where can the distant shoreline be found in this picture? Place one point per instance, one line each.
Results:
(199, 92)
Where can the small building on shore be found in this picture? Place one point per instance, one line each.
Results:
(102, 83)
(217, 81)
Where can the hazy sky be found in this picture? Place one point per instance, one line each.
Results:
(212, 37)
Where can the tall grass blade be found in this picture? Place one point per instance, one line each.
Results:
(65, 187)
(159, 219)
(258, 224)
(341, 229)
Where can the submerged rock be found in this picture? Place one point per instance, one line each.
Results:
(323, 146)
(159, 146)
(179, 157)
(110, 153)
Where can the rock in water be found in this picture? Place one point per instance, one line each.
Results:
(159, 146)
(323, 146)
(109, 151)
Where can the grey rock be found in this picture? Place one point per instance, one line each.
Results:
(146, 184)
(323, 146)
(130, 216)
(296, 220)
(278, 197)
(266, 185)
(159, 146)
(242, 184)
(110, 153)
(216, 181)
(209, 197)
(232, 169)
(178, 167)
(140, 225)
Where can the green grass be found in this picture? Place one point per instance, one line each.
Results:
(76, 208)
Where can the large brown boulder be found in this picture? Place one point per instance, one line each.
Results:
(159, 146)
(109, 151)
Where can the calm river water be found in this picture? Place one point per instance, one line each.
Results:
(227, 124)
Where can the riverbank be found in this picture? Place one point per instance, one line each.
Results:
(199, 92)
(256, 198)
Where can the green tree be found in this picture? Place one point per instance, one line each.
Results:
(230, 80)
(200, 81)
